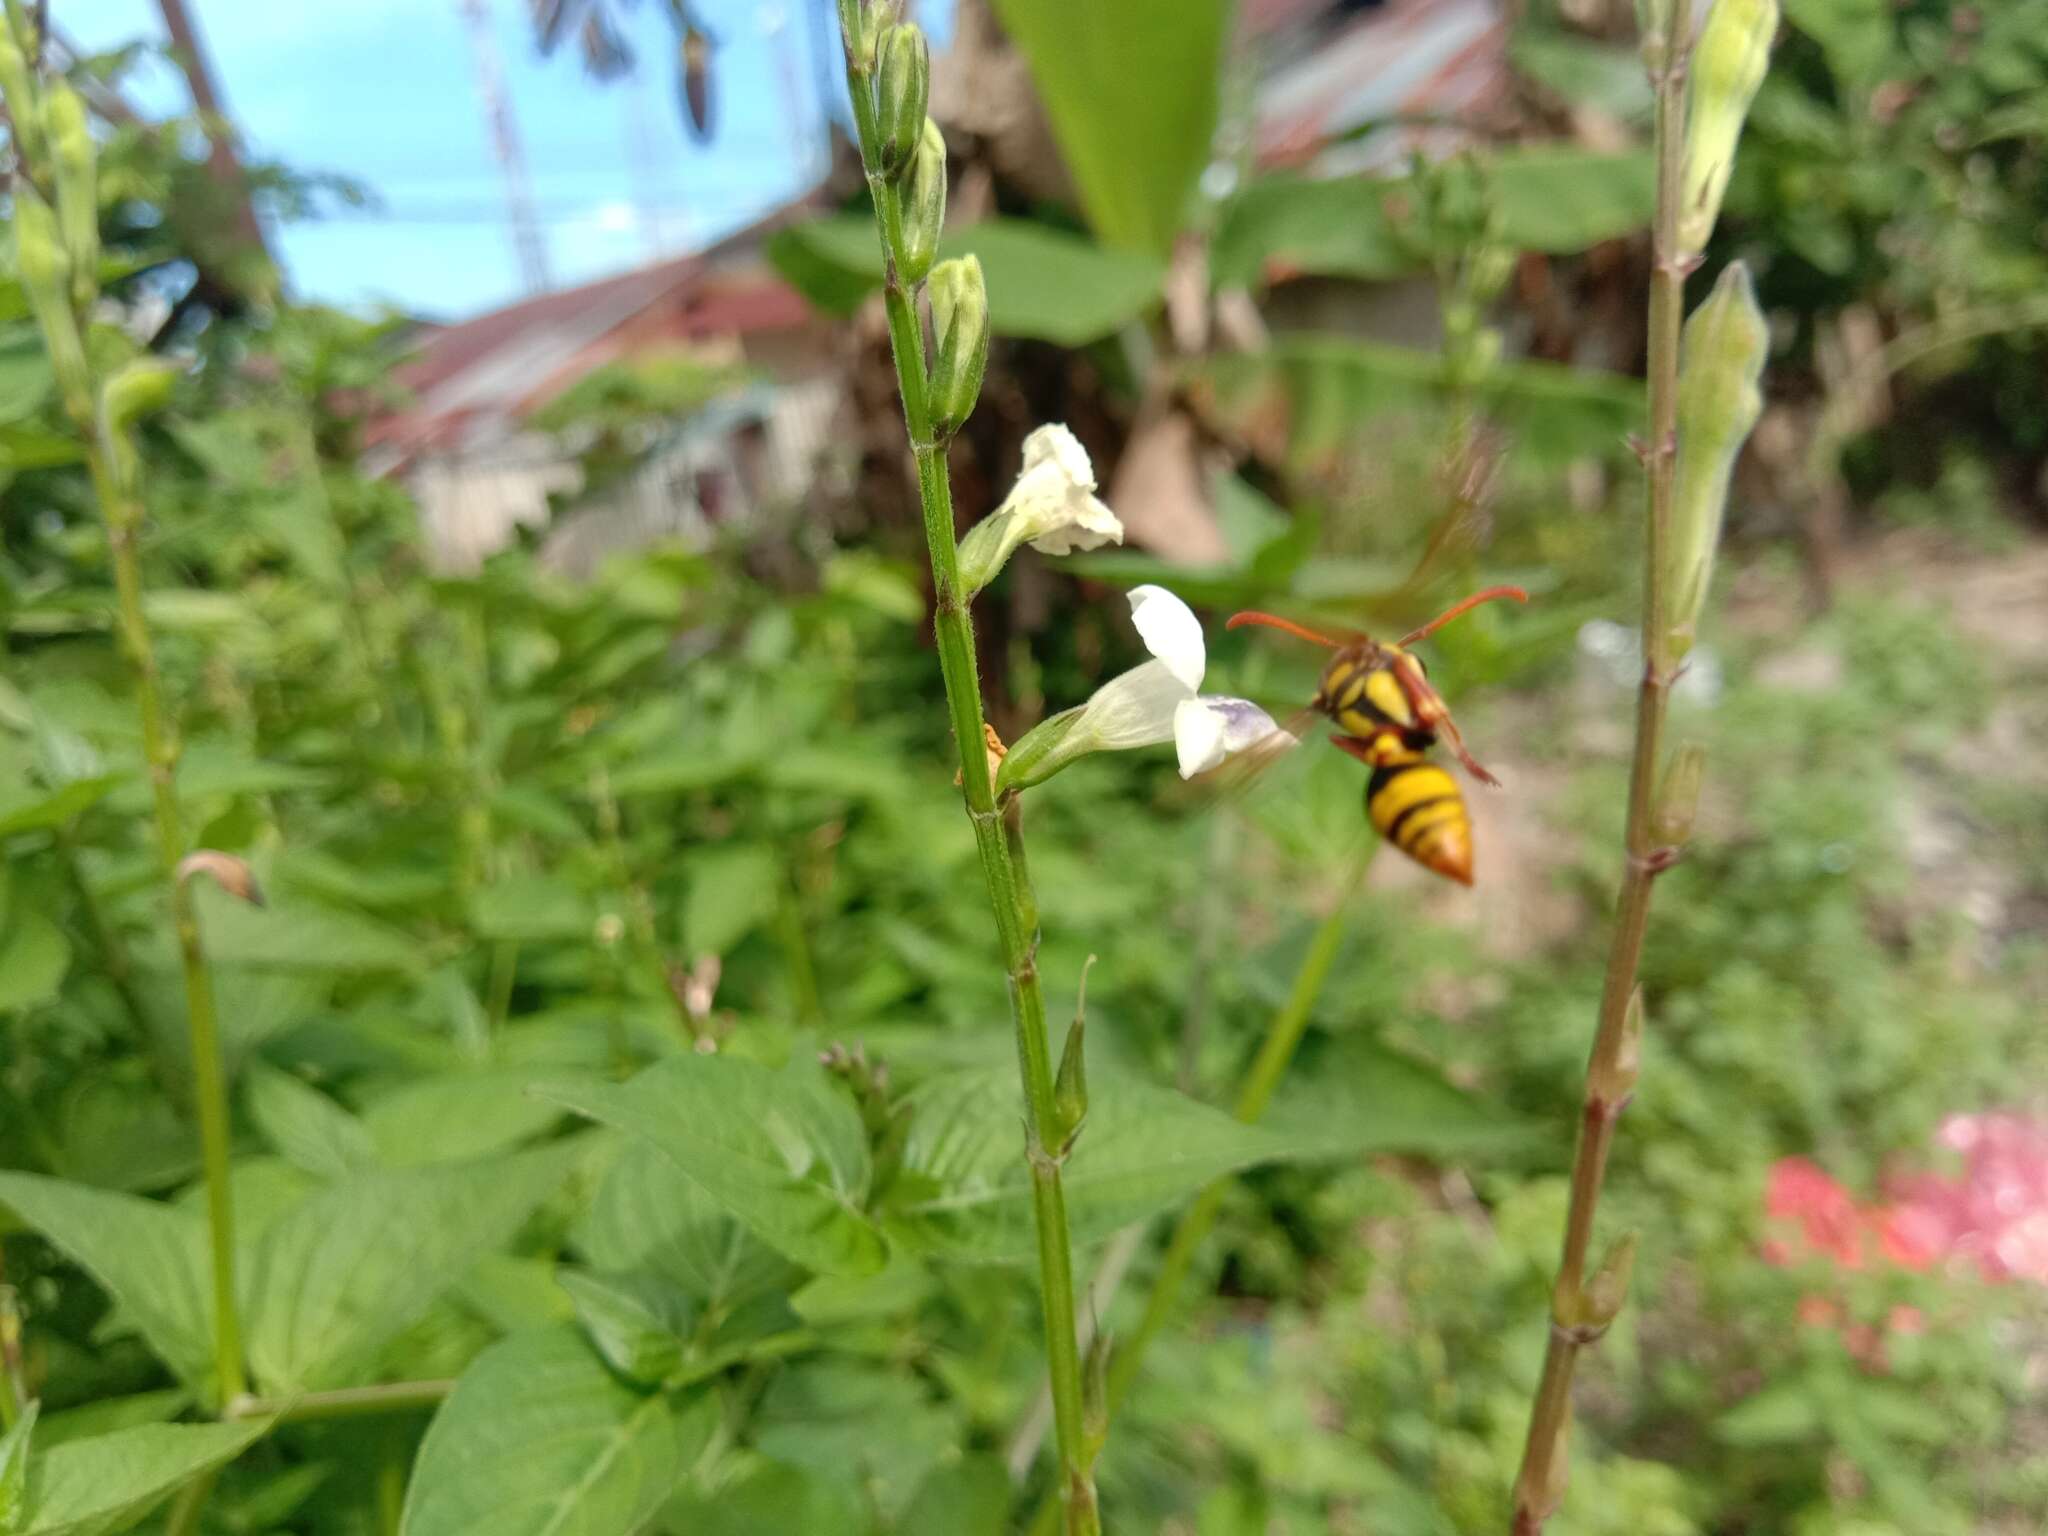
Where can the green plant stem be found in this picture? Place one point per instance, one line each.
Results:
(1254, 1094)
(343, 1403)
(183, 1518)
(1008, 888)
(1539, 1485)
(123, 517)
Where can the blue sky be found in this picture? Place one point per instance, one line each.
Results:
(384, 92)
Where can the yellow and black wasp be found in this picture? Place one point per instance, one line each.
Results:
(1387, 715)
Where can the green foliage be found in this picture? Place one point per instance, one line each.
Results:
(99, 1486)
(1131, 91)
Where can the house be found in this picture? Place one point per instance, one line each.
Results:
(467, 447)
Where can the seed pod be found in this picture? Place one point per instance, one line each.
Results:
(922, 191)
(960, 323)
(78, 205)
(18, 86)
(1721, 363)
(903, 84)
(1678, 797)
(46, 275)
(1729, 61)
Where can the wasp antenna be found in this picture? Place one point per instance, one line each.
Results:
(1458, 610)
(1286, 626)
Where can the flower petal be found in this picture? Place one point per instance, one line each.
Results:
(1054, 444)
(1088, 524)
(1213, 726)
(1135, 709)
(1171, 632)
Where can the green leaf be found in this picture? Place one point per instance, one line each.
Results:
(108, 1414)
(99, 1486)
(1299, 403)
(1043, 283)
(337, 1278)
(733, 890)
(533, 907)
(456, 1115)
(227, 768)
(1549, 197)
(783, 1151)
(540, 1439)
(37, 810)
(306, 1127)
(855, 1423)
(969, 1498)
(14, 1470)
(1856, 35)
(1131, 90)
(1603, 76)
(299, 935)
(34, 955)
(773, 1496)
(150, 1258)
(637, 1321)
(1784, 1414)
(649, 1214)
(1143, 1149)
(1354, 1096)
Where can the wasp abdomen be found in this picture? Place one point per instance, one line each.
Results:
(1419, 808)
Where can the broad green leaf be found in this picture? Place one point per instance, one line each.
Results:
(1300, 402)
(1551, 198)
(1043, 283)
(783, 1151)
(539, 1438)
(1143, 1149)
(336, 1279)
(649, 1214)
(109, 1483)
(34, 955)
(733, 889)
(29, 809)
(297, 934)
(306, 1127)
(1354, 1096)
(637, 1322)
(1782, 1414)
(14, 1447)
(1604, 76)
(150, 1258)
(455, 1115)
(532, 907)
(772, 1496)
(855, 1423)
(227, 768)
(90, 1420)
(1131, 90)
(969, 1498)
(1856, 35)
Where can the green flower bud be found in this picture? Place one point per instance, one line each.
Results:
(861, 23)
(78, 205)
(46, 275)
(903, 86)
(1600, 1303)
(1678, 797)
(1612, 1083)
(18, 87)
(960, 324)
(1728, 65)
(922, 206)
(140, 388)
(1095, 1397)
(1038, 754)
(1721, 363)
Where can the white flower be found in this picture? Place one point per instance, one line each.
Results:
(1158, 701)
(1052, 507)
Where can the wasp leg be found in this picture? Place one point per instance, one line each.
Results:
(1384, 746)
(1434, 715)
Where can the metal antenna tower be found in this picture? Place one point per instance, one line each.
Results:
(505, 145)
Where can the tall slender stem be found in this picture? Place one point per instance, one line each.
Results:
(1254, 1094)
(123, 517)
(1009, 889)
(1539, 1486)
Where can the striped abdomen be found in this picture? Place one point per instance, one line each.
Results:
(1418, 807)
